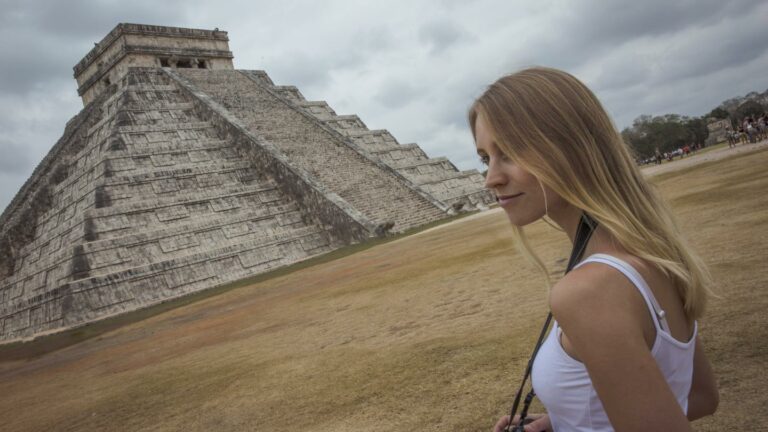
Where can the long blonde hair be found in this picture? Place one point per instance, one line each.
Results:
(554, 126)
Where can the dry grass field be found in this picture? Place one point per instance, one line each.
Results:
(428, 332)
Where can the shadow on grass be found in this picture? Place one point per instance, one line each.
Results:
(48, 343)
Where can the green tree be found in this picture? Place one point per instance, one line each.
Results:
(750, 108)
(667, 132)
(697, 130)
(718, 113)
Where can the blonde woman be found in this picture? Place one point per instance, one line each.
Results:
(623, 353)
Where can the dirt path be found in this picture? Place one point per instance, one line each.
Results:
(703, 157)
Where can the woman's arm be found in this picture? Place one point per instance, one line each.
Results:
(704, 396)
(602, 315)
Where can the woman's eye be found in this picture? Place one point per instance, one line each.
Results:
(484, 160)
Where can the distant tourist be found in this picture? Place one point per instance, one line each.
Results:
(761, 127)
(750, 129)
(621, 353)
(742, 135)
(729, 135)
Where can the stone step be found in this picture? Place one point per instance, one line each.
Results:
(176, 145)
(104, 135)
(290, 93)
(374, 140)
(152, 94)
(479, 199)
(101, 296)
(319, 109)
(122, 160)
(76, 194)
(75, 188)
(382, 145)
(208, 203)
(392, 148)
(428, 165)
(138, 137)
(40, 271)
(136, 185)
(346, 124)
(54, 256)
(457, 178)
(313, 146)
(260, 76)
(470, 178)
(182, 160)
(108, 256)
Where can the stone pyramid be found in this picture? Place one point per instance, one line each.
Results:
(181, 174)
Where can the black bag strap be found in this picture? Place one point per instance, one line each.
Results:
(586, 227)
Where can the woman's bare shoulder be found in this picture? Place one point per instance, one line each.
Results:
(594, 289)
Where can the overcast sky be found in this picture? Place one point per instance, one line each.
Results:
(410, 67)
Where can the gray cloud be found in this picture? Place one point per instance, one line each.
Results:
(596, 22)
(44, 39)
(15, 158)
(394, 94)
(441, 35)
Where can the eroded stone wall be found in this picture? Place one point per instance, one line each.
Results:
(174, 181)
(159, 197)
(438, 177)
(371, 188)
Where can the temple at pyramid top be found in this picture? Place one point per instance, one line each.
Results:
(182, 173)
(139, 45)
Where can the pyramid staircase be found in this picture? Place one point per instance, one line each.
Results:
(381, 194)
(436, 176)
(172, 181)
(182, 174)
(146, 202)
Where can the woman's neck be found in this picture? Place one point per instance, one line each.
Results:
(569, 217)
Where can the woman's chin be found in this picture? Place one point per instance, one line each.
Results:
(519, 220)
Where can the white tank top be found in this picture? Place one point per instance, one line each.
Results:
(563, 385)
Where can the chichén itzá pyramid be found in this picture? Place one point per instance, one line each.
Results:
(181, 174)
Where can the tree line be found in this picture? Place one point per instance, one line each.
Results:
(672, 131)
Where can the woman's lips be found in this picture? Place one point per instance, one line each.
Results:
(506, 199)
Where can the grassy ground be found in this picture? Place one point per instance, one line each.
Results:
(429, 332)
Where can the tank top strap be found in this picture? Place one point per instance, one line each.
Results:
(659, 317)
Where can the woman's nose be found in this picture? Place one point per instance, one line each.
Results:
(493, 177)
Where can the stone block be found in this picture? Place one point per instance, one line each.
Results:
(170, 213)
(36, 281)
(189, 274)
(179, 242)
(289, 219)
(107, 296)
(199, 156)
(208, 180)
(271, 195)
(163, 160)
(236, 230)
(259, 257)
(15, 291)
(109, 257)
(165, 186)
(149, 289)
(17, 322)
(37, 317)
(224, 204)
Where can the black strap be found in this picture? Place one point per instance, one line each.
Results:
(587, 226)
